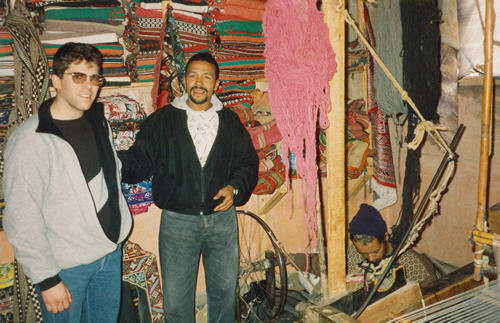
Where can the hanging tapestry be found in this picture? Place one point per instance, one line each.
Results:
(299, 64)
(389, 41)
(357, 138)
(420, 25)
(383, 181)
(26, 305)
(30, 64)
(170, 66)
(125, 116)
(140, 269)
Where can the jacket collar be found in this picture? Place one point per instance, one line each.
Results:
(46, 122)
(181, 103)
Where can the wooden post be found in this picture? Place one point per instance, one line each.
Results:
(485, 132)
(335, 217)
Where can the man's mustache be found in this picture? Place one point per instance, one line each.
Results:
(198, 88)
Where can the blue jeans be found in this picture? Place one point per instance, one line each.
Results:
(182, 239)
(95, 290)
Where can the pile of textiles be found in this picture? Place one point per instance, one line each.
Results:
(125, 116)
(237, 96)
(6, 96)
(236, 38)
(266, 139)
(191, 19)
(358, 141)
(95, 22)
(6, 62)
(142, 38)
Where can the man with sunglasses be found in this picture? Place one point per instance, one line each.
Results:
(202, 163)
(65, 214)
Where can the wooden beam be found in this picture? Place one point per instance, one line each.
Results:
(406, 299)
(335, 217)
(484, 155)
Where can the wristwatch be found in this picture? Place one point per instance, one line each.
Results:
(235, 191)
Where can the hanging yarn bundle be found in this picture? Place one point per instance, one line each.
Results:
(299, 63)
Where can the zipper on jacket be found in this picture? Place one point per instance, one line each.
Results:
(202, 190)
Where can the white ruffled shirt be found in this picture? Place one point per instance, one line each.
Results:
(202, 125)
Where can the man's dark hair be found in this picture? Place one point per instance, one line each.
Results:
(365, 239)
(206, 57)
(70, 53)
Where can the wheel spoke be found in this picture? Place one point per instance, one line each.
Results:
(261, 260)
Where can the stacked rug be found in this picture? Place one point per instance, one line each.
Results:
(94, 22)
(142, 38)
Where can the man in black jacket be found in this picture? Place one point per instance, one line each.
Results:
(202, 163)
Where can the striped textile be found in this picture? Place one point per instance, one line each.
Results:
(188, 2)
(242, 85)
(32, 4)
(238, 47)
(143, 39)
(193, 37)
(170, 69)
(112, 15)
(108, 49)
(113, 65)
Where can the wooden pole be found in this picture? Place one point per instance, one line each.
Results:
(335, 217)
(485, 133)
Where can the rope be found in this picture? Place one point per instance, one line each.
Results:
(434, 199)
(430, 128)
(420, 130)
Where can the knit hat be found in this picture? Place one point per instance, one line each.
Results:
(368, 221)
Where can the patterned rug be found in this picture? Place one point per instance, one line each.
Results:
(141, 269)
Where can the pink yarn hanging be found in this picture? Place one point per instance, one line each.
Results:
(299, 64)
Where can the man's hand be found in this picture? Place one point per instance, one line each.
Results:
(227, 193)
(57, 298)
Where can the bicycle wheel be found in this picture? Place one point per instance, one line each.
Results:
(262, 278)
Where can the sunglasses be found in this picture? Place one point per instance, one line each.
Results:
(80, 78)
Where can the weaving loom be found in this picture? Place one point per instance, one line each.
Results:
(480, 304)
